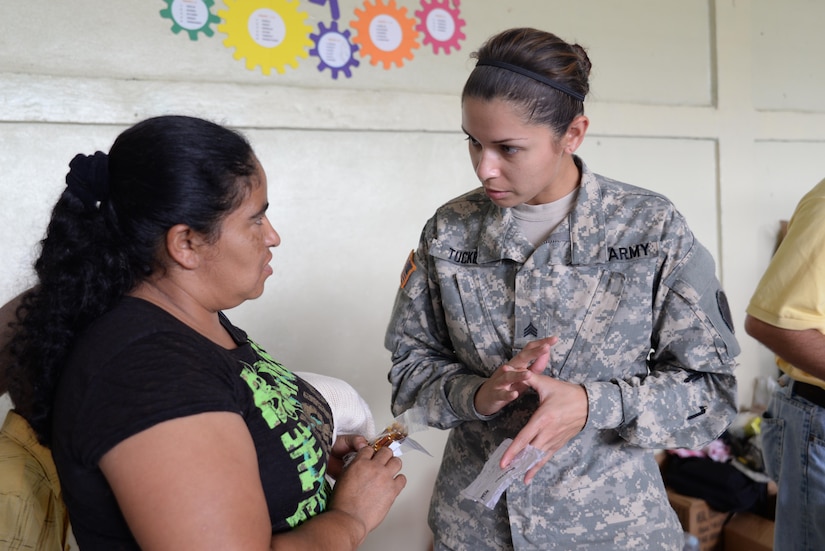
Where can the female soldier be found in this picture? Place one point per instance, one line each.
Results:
(564, 310)
(170, 428)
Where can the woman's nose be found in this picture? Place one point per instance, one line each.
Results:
(273, 238)
(487, 166)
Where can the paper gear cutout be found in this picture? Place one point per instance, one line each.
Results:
(440, 24)
(334, 50)
(268, 33)
(385, 33)
(192, 16)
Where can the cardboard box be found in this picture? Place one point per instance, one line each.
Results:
(698, 518)
(748, 532)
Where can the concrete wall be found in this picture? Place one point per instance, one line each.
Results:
(717, 104)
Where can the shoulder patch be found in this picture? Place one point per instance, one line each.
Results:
(724, 309)
(409, 268)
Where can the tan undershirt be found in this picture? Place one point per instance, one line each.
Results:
(537, 222)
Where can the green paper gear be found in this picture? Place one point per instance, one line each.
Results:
(192, 16)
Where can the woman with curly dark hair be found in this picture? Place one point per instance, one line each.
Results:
(170, 428)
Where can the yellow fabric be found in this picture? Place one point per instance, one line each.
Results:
(32, 513)
(791, 293)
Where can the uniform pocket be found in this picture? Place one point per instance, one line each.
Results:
(592, 336)
(484, 322)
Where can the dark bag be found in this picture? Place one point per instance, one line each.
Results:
(723, 486)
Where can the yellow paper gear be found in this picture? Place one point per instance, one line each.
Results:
(268, 33)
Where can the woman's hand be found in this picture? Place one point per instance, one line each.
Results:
(561, 415)
(344, 445)
(368, 487)
(511, 380)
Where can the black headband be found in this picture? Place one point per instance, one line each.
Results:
(535, 76)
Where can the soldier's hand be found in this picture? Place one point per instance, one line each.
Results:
(510, 381)
(561, 415)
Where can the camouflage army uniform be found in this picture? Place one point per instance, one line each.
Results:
(642, 324)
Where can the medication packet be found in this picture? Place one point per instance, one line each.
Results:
(493, 480)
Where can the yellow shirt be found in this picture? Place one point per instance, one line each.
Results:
(791, 293)
(32, 513)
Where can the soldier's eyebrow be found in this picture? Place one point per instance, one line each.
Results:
(496, 142)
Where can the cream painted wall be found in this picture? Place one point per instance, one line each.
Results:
(717, 104)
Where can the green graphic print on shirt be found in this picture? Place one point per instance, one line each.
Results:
(275, 391)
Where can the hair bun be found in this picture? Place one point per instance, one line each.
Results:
(88, 178)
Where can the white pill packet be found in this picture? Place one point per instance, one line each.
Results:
(493, 480)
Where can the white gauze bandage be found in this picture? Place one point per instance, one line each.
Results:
(350, 412)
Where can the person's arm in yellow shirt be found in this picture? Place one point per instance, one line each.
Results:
(804, 349)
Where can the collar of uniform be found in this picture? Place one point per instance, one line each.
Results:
(587, 229)
(473, 224)
(501, 239)
(498, 237)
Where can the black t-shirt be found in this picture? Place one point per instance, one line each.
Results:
(138, 366)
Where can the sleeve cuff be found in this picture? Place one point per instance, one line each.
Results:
(604, 405)
(461, 396)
